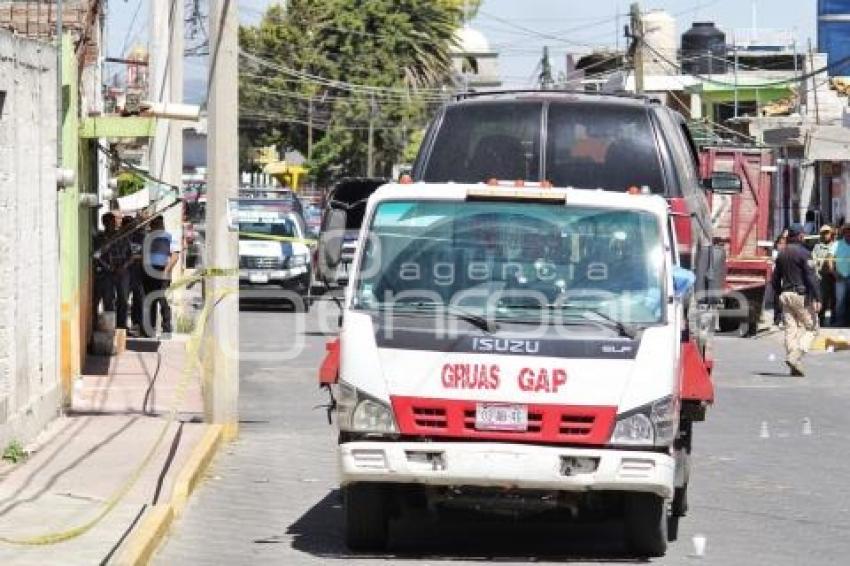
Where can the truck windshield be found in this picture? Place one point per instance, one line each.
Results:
(588, 145)
(513, 260)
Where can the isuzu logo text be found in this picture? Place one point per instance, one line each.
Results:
(483, 344)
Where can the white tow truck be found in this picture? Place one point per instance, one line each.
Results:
(515, 349)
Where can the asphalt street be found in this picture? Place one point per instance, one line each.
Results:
(763, 491)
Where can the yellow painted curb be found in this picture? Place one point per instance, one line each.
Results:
(147, 537)
(199, 461)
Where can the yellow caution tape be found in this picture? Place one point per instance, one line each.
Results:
(307, 241)
(193, 361)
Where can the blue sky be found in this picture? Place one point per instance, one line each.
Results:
(519, 29)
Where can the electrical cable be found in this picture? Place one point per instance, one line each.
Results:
(130, 28)
(800, 79)
(333, 83)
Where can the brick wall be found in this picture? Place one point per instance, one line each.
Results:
(36, 19)
(29, 257)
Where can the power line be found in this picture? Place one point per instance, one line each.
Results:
(341, 85)
(785, 82)
(130, 27)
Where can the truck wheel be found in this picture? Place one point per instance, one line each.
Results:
(679, 506)
(646, 524)
(366, 517)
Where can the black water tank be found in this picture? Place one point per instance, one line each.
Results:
(704, 49)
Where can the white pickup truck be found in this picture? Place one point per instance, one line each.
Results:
(273, 253)
(513, 348)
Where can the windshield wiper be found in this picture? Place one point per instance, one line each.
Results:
(622, 328)
(595, 315)
(479, 321)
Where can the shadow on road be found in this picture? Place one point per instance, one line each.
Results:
(319, 532)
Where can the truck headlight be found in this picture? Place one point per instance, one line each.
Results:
(633, 430)
(372, 416)
(359, 412)
(297, 260)
(653, 424)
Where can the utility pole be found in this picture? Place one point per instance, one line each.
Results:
(310, 127)
(166, 76)
(546, 80)
(814, 81)
(221, 346)
(637, 45)
(370, 158)
(735, 70)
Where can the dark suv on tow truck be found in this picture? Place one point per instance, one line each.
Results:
(582, 140)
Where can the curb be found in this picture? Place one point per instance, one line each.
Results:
(147, 537)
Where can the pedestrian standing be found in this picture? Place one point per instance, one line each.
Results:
(796, 282)
(136, 239)
(103, 293)
(841, 255)
(778, 246)
(160, 255)
(117, 257)
(824, 264)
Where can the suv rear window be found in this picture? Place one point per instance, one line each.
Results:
(477, 142)
(602, 146)
(589, 145)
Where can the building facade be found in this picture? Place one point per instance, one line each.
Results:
(30, 386)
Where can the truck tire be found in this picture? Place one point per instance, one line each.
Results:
(679, 506)
(646, 524)
(366, 517)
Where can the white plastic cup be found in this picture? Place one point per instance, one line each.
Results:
(699, 546)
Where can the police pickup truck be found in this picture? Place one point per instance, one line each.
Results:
(273, 250)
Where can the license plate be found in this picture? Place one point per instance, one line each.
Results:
(258, 277)
(501, 416)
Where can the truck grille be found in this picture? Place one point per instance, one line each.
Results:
(259, 262)
(450, 418)
(430, 417)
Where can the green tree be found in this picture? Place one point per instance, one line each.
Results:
(339, 65)
(129, 183)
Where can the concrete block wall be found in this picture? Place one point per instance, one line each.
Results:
(29, 240)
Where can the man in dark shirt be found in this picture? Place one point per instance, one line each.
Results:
(795, 281)
(103, 290)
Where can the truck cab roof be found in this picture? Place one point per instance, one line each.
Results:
(480, 191)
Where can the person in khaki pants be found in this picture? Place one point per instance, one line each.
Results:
(798, 287)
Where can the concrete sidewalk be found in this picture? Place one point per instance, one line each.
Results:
(120, 409)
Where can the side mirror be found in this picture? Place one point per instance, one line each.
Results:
(683, 281)
(723, 183)
(330, 239)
